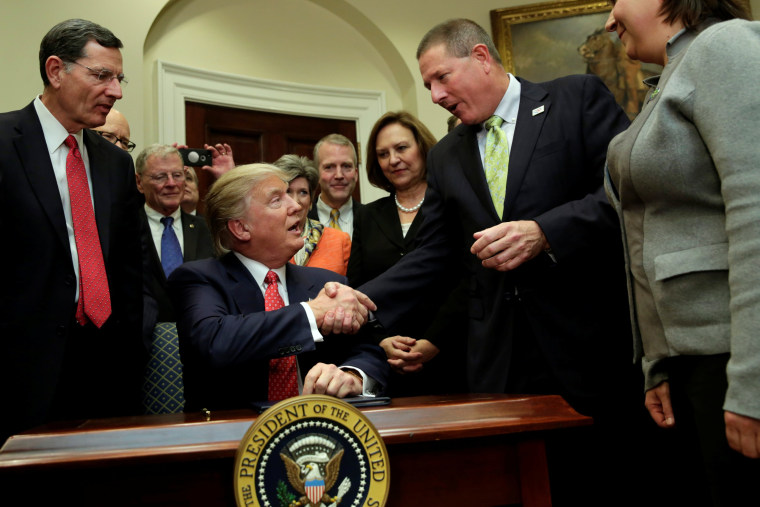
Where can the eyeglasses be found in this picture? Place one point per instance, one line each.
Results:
(162, 178)
(111, 138)
(104, 75)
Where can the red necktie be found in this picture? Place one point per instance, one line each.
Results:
(94, 296)
(283, 372)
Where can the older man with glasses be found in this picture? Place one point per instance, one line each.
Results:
(170, 237)
(71, 304)
(116, 130)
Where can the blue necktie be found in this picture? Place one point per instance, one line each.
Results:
(171, 253)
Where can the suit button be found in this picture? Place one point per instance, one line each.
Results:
(61, 330)
(509, 297)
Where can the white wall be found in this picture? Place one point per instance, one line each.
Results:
(360, 44)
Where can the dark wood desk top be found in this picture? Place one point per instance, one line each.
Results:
(191, 436)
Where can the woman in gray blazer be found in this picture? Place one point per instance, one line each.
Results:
(685, 181)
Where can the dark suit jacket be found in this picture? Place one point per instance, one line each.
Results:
(39, 283)
(198, 244)
(576, 308)
(378, 244)
(226, 338)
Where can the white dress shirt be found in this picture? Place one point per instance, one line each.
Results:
(55, 134)
(507, 110)
(157, 228)
(259, 272)
(346, 218)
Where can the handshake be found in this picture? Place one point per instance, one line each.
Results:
(340, 309)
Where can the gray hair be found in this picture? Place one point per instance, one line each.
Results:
(299, 167)
(230, 197)
(334, 139)
(67, 40)
(161, 151)
(459, 36)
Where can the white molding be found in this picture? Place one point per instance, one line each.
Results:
(178, 83)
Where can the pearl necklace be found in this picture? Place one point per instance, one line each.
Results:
(408, 210)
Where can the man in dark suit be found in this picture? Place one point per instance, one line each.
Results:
(335, 157)
(233, 341)
(161, 178)
(547, 310)
(71, 303)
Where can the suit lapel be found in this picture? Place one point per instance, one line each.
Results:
(101, 175)
(300, 287)
(525, 138)
(150, 245)
(34, 158)
(189, 237)
(388, 222)
(469, 158)
(245, 292)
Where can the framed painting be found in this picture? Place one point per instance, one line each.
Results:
(545, 41)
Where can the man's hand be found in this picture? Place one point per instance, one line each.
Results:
(657, 401)
(340, 309)
(221, 159)
(329, 379)
(506, 246)
(407, 355)
(743, 434)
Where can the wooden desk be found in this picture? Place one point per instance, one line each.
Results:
(475, 450)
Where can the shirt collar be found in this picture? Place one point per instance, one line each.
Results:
(259, 271)
(55, 133)
(326, 208)
(156, 216)
(510, 103)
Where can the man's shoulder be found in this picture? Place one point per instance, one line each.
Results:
(314, 275)
(193, 219)
(11, 119)
(570, 85)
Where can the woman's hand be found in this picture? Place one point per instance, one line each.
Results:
(407, 355)
(743, 434)
(657, 402)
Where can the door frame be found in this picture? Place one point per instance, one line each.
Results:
(179, 83)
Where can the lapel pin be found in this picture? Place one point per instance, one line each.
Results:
(192, 226)
(538, 110)
(654, 94)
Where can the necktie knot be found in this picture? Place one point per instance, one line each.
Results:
(334, 217)
(493, 122)
(271, 278)
(171, 251)
(71, 143)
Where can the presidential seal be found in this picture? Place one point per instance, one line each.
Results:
(312, 451)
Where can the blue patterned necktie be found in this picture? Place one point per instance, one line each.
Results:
(496, 162)
(171, 253)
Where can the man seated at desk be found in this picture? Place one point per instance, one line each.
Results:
(241, 339)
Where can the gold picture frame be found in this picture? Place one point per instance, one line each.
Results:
(544, 41)
(502, 20)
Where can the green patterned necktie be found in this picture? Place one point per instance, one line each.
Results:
(496, 161)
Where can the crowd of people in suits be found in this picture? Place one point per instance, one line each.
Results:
(494, 265)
